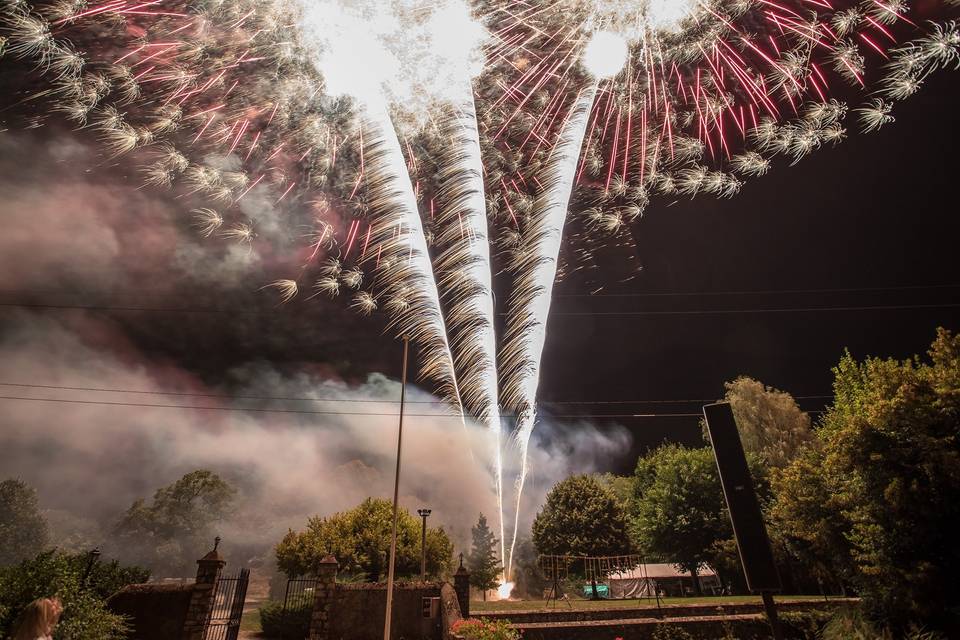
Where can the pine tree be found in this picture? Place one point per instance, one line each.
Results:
(482, 560)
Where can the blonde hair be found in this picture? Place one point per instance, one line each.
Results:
(38, 619)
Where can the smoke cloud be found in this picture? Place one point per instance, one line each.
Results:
(93, 460)
(78, 229)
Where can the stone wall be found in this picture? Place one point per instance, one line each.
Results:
(358, 611)
(561, 613)
(156, 611)
(172, 611)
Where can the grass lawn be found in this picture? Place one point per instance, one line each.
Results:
(250, 620)
(478, 607)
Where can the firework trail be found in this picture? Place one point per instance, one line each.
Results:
(462, 264)
(398, 230)
(530, 302)
(466, 278)
(346, 41)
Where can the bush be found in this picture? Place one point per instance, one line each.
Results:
(107, 577)
(804, 624)
(484, 629)
(666, 631)
(850, 623)
(293, 623)
(85, 615)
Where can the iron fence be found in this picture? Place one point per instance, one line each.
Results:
(299, 593)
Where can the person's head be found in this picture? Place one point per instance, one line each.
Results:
(38, 619)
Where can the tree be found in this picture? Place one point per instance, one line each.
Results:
(679, 511)
(482, 560)
(85, 615)
(167, 534)
(620, 486)
(23, 530)
(678, 506)
(581, 518)
(770, 423)
(360, 541)
(875, 496)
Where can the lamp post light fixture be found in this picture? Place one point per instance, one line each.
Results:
(423, 513)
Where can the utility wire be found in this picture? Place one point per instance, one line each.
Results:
(329, 413)
(702, 312)
(638, 294)
(754, 292)
(211, 395)
(691, 401)
(352, 400)
(692, 312)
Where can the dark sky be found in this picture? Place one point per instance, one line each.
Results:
(876, 212)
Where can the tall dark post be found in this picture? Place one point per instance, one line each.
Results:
(396, 492)
(424, 514)
(92, 557)
(749, 531)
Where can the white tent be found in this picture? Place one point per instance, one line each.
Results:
(642, 580)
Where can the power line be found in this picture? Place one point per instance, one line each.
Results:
(353, 400)
(700, 312)
(945, 305)
(691, 401)
(329, 413)
(93, 307)
(751, 292)
(211, 395)
(639, 294)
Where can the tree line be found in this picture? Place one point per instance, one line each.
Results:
(165, 534)
(862, 501)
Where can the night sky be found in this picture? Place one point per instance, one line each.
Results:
(876, 212)
(875, 215)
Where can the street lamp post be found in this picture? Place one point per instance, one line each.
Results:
(396, 492)
(92, 558)
(423, 544)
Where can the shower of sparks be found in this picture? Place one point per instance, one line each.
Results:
(603, 56)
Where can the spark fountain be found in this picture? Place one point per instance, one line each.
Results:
(603, 57)
(464, 266)
(354, 61)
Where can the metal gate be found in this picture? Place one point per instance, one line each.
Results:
(299, 594)
(228, 607)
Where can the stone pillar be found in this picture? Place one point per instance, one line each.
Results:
(461, 584)
(204, 593)
(324, 594)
